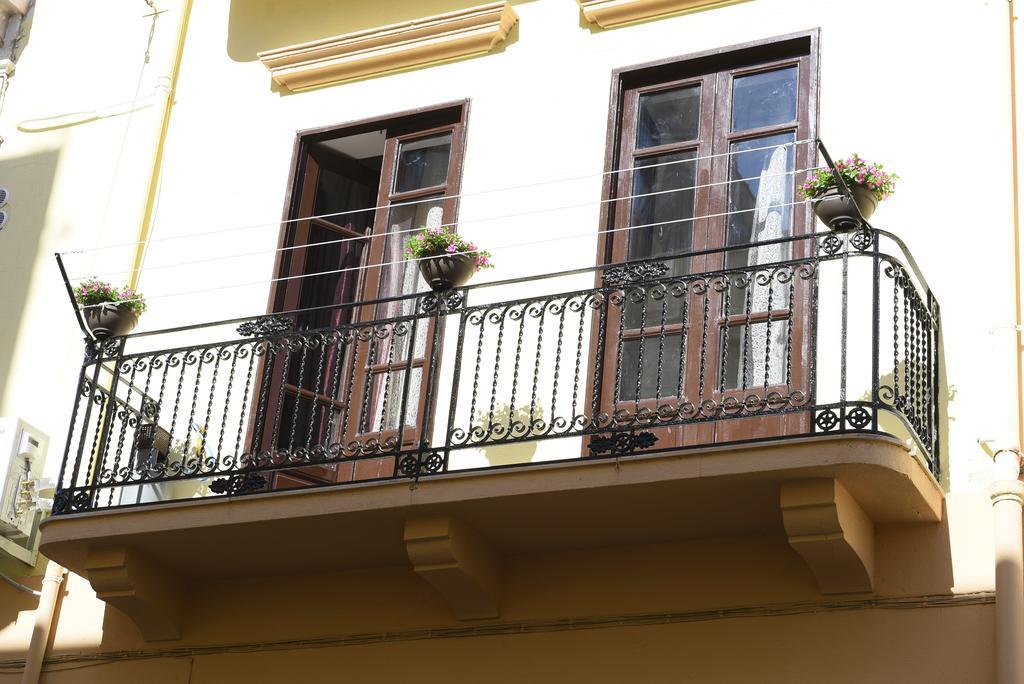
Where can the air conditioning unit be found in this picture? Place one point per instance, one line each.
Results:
(22, 452)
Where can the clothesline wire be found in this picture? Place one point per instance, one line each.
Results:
(392, 233)
(430, 199)
(440, 256)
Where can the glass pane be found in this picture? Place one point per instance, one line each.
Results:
(299, 423)
(402, 277)
(423, 163)
(668, 195)
(334, 254)
(753, 349)
(668, 117)
(668, 349)
(760, 199)
(764, 99)
(387, 405)
(338, 195)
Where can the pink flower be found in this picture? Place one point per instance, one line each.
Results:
(451, 249)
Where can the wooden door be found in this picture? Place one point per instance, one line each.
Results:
(365, 394)
(419, 184)
(306, 386)
(708, 163)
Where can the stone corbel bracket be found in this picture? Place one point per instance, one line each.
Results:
(146, 592)
(612, 13)
(456, 561)
(832, 533)
(377, 51)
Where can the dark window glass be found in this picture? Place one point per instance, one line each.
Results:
(338, 195)
(663, 352)
(666, 189)
(329, 251)
(766, 98)
(299, 423)
(754, 351)
(668, 117)
(423, 163)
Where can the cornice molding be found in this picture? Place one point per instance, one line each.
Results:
(613, 13)
(377, 51)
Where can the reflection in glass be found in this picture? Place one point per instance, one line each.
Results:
(423, 163)
(401, 277)
(298, 422)
(753, 349)
(668, 117)
(648, 376)
(386, 410)
(766, 98)
(668, 195)
(328, 253)
(760, 199)
(337, 195)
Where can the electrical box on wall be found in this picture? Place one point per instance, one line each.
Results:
(22, 453)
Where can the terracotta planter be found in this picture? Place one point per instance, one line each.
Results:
(448, 271)
(838, 213)
(110, 320)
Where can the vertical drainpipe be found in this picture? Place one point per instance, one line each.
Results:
(1007, 490)
(1015, 174)
(1007, 500)
(167, 60)
(46, 619)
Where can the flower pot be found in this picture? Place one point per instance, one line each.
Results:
(510, 454)
(448, 271)
(838, 213)
(110, 320)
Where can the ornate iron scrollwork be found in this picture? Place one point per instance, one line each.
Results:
(633, 273)
(432, 301)
(97, 349)
(622, 443)
(414, 465)
(239, 484)
(65, 501)
(264, 326)
(61, 502)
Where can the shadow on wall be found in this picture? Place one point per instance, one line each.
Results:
(30, 181)
(257, 25)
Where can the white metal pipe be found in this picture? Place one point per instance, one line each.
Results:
(45, 621)
(1007, 504)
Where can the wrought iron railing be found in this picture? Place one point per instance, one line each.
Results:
(830, 333)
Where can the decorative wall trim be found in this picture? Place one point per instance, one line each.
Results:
(612, 13)
(377, 51)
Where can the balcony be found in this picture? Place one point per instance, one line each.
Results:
(790, 385)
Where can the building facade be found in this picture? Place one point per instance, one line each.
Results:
(681, 431)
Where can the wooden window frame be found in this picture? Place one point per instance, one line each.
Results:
(751, 57)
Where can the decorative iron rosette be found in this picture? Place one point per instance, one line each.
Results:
(445, 301)
(414, 465)
(622, 443)
(239, 484)
(633, 273)
(265, 326)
